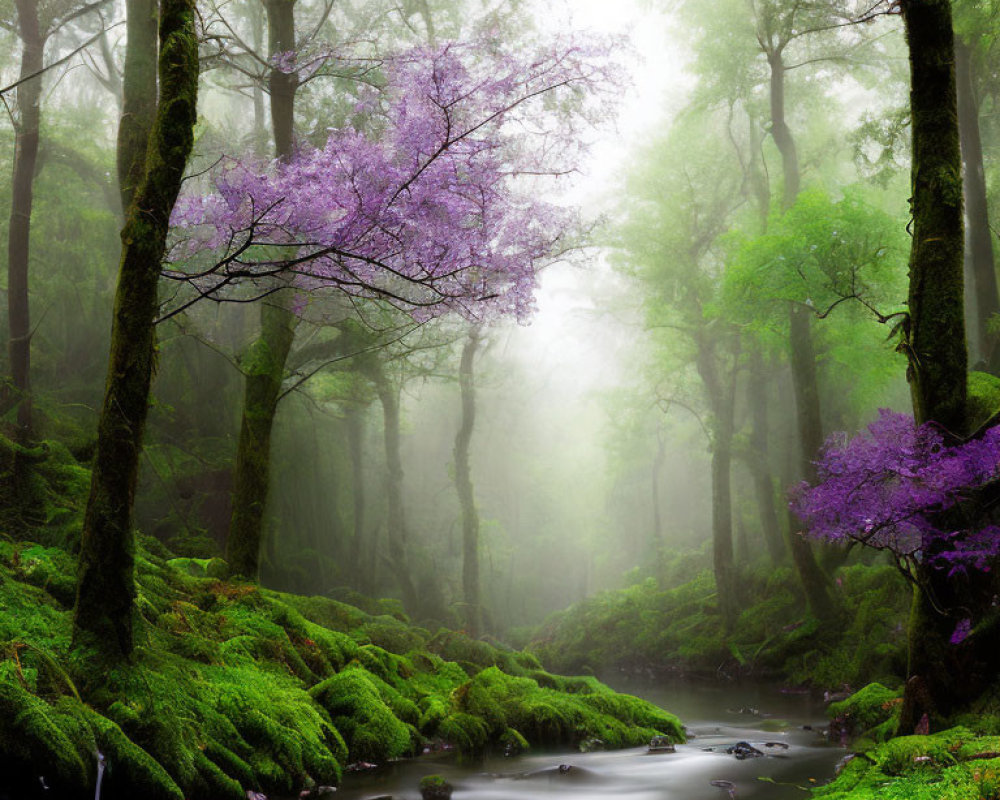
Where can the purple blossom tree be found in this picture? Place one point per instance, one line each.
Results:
(435, 207)
(887, 488)
(428, 203)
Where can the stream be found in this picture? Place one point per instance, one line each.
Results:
(716, 718)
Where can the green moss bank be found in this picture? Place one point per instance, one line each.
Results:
(233, 687)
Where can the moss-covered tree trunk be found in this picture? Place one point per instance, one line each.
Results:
(26, 138)
(105, 587)
(138, 96)
(980, 237)
(935, 344)
(463, 485)
(265, 367)
(396, 533)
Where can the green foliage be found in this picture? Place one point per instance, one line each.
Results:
(680, 629)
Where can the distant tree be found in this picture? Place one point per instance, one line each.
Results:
(36, 24)
(425, 217)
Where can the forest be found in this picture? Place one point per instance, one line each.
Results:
(503, 399)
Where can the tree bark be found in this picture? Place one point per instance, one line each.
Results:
(463, 485)
(139, 96)
(396, 534)
(265, 371)
(935, 342)
(269, 353)
(26, 137)
(980, 237)
(106, 587)
(781, 133)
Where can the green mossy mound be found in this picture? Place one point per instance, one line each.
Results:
(870, 713)
(680, 629)
(233, 687)
(953, 765)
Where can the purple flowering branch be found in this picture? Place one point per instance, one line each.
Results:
(887, 488)
(440, 212)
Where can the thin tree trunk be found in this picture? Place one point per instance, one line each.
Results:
(980, 238)
(935, 344)
(815, 582)
(463, 485)
(139, 96)
(26, 137)
(269, 353)
(355, 432)
(397, 534)
(265, 371)
(721, 399)
(656, 537)
(781, 133)
(760, 472)
(106, 587)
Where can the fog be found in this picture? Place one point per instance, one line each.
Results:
(591, 455)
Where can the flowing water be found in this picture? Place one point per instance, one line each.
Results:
(716, 718)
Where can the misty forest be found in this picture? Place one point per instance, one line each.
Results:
(503, 399)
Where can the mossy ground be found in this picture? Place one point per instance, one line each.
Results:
(234, 687)
(645, 627)
(957, 764)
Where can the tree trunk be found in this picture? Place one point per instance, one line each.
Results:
(763, 482)
(781, 133)
(355, 432)
(269, 353)
(463, 485)
(815, 583)
(139, 96)
(980, 237)
(935, 343)
(722, 401)
(26, 136)
(106, 588)
(388, 396)
(656, 537)
(265, 371)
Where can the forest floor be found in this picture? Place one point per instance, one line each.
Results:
(234, 687)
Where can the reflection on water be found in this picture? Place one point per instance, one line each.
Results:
(717, 718)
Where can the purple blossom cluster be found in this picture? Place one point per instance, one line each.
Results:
(437, 208)
(887, 486)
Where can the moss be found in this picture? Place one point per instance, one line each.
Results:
(867, 709)
(370, 729)
(983, 400)
(234, 688)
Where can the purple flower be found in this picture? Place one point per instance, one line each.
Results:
(962, 631)
(886, 488)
